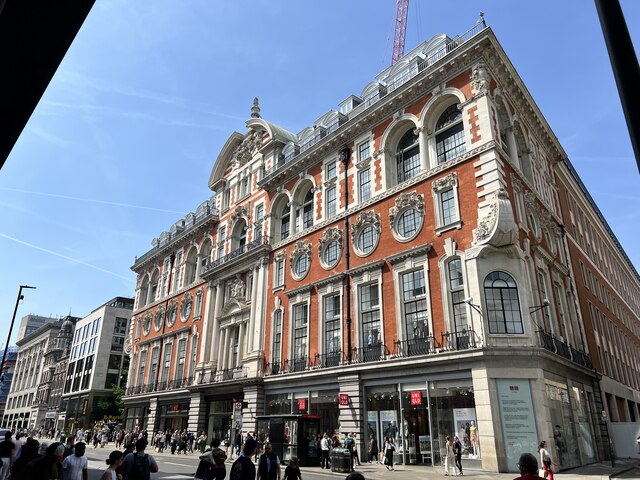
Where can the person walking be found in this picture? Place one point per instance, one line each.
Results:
(139, 465)
(528, 466)
(211, 466)
(7, 452)
(113, 462)
(292, 472)
(325, 447)
(349, 444)
(202, 443)
(47, 467)
(449, 456)
(28, 454)
(238, 443)
(373, 449)
(244, 468)
(354, 454)
(75, 467)
(457, 451)
(268, 465)
(389, 448)
(545, 459)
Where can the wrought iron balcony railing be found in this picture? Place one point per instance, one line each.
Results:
(264, 240)
(554, 344)
(160, 386)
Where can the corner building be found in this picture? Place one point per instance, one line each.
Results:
(400, 269)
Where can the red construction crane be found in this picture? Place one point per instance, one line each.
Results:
(400, 30)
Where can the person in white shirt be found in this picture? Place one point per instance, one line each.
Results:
(75, 467)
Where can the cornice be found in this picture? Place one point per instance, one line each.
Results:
(338, 277)
(146, 342)
(412, 252)
(367, 267)
(303, 289)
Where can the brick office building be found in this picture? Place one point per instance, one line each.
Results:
(398, 268)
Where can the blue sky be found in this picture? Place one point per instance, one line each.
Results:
(123, 141)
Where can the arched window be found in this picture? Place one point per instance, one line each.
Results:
(144, 292)
(503, 306)
(307, 210)
(191, 268)
(449, 134)
(285, 221)
(408, 156)
(205, 253)
(153, 291)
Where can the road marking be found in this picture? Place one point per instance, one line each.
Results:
(179, 464)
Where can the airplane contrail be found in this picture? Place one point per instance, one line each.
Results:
(91, 200)
(56, 254)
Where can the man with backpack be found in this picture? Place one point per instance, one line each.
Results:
(349, 444)
(139, 465)
(244, 468)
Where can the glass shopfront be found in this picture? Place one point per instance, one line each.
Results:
(323, 403)
(136, 418)
(573, 448)
(220, 422)
(173, 416)
(419, 416)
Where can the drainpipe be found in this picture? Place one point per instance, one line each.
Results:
(344, 157)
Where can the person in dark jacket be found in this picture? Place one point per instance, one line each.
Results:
(48, 467)
(28, 453)
(243, 468)
(269, 464)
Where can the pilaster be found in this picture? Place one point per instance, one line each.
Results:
(351, 416)
(197, 413)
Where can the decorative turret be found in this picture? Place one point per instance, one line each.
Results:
(255, 110)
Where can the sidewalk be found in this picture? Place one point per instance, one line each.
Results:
(624, 469)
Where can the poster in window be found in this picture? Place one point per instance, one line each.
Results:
(389, 423)
(466, 430)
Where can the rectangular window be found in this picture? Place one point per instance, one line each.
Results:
(141, 367)
(95, 327)
(370, 314)
(447, 207)
(176, 273)
(456, 289)
(194, 356)
(332, 342)
(331, 170)
(153, 367)
(197, 310)
(414, 299)
(364, 184)
(544, 297)
(226, 199)
(182, 355)
(259, 212)
(120, 326)
(166, 363)
(85, 332)
(300, 323)
(276, 353)
(331, 202)
(279, 273)
(117, 344)
(363, 151)
(245, 186)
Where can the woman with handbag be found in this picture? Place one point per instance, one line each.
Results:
(545, 459)
(389, 448)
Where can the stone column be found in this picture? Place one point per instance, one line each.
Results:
(252, 315)
(197, 411)
(220, 342)
(225, 348)
(153, 415)
(215, 334)
(351, 416)
(425, 159)
(207, 330)
(254, 396)
(241, 342)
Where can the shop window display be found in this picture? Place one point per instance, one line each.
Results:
(561, 414)
(382, 417)
(453, 413)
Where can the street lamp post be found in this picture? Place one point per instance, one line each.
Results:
(13, 319)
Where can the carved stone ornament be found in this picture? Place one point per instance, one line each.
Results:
(330, 235)
(280, 255)
(127, 346)
(365, 218)
(480, 79)
(239, 212)
(444, 183)
(497, 227)
(243, 152)
(404, 201)
(238, 288)
(186, 299)
(303, 247)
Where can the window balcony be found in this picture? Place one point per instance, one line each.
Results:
(264, 241)
(553, 344)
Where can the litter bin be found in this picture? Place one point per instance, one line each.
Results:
(341, 460)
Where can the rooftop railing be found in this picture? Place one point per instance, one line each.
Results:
(431, 57)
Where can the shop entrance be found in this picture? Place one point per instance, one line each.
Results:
(416, 423)
(291, 435)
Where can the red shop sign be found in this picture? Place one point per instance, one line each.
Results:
(416, 398)
(343, 399)
(302, 404)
